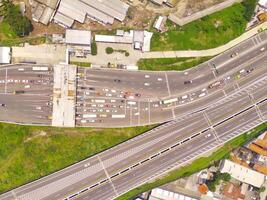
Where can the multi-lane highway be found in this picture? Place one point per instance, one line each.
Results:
(208, 105)
(140, 159)
(222, 114)
(115, 98)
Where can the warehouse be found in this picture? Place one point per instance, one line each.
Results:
(105, 11)
(242, 174)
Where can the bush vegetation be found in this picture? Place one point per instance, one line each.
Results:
(109, 50)
(19, 24)
(94, 48)
(216, 180)
(208, 32)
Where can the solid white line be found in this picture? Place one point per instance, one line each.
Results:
(6, 82)
(103, 166)
(149, 117)
(167, 82)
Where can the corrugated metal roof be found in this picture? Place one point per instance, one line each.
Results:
(46, 16)
(79, 37)
(242, 174)
(117, 5)
(106, 9)
(73, 9)
(63, 20)
(98, 15)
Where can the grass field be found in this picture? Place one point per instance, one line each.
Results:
(165, 64)
(28, 153)
(9, 38)
(208, 32)
(198, 164)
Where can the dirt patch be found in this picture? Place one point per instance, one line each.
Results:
(35, 135)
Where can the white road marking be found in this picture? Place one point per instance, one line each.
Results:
(103, 166)
(210, 124)
(6, 82)
(167, 82)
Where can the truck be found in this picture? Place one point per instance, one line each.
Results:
(89, 116)
(169, 101)
(19, 92)
(215, 84)
(40, 69)
(117, 116)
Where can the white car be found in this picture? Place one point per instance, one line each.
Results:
(147, 84)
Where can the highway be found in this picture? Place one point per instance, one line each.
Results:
(198, 123)
(123, 167)
(119, 98)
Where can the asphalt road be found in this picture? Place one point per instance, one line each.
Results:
(25, 94)
(140, 159)
(116, 98)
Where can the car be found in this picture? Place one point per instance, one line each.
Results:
(3, 105)
(137, 95)
(207, 136)
(234, 54)
(159, 79)
(187, 82)
(117, 80)
(147, 76)
(147, 84)
(262, 49)
(91, 88)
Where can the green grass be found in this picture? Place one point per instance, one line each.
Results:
(198, 164)
(26, 154)
(209, 32)
(9, 38)
(81, 64)
(165, 64)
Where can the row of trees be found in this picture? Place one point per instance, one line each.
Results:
(20, 24)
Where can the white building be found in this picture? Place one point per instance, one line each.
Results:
(263, 3)
(139, 39)
(242, 174)
(5, 55)
(78, 41)
(161, 194)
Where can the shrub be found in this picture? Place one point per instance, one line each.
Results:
(127, 53)
(249, 6)
(94, 49)
(20, 24)
(109, 50)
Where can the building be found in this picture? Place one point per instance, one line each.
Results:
(43, 10)
(161, 194)
(242, 174)
(79, 42)
(139, 39)
(263, 3)
(160, 23)
(102, 11)
(233, 191)
(5, 55)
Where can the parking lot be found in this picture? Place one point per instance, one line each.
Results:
(26, 94)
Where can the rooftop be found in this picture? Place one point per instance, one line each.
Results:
(5, 55)
(242, 174)
(78, 37)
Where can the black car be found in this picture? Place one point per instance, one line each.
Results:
(3, 105)
(117, 80)
(188, 82)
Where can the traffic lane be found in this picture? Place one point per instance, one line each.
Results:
(263, 109)
(69, 181)
(152, 135)
(23, 108)
(150, 168)
(141, 152)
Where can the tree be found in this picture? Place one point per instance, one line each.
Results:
(20, 24)
(249, 8)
